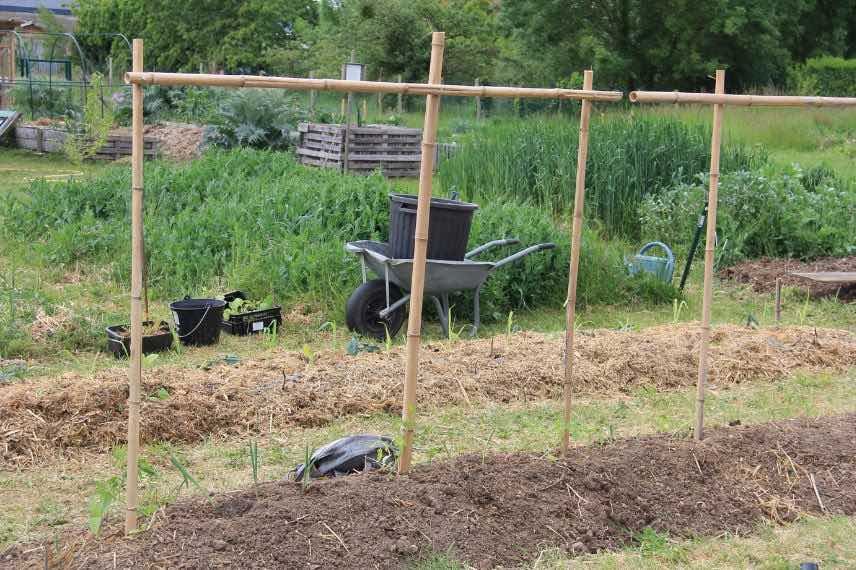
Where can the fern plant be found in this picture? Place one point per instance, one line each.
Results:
(256, 118)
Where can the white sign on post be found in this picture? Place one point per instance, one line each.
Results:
(354, 71)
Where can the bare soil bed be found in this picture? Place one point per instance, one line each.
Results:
(501, 509)
(761, 274)
(40, 417)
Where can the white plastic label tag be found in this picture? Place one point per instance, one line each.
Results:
(258, 325)
(175, 317)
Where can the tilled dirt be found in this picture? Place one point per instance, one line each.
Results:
(501, 510)
(761, 274)
(39, 418)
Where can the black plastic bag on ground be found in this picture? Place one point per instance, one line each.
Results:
(351, 454)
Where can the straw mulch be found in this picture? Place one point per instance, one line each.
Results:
(75, 411)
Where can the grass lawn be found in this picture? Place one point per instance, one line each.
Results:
(17, 167)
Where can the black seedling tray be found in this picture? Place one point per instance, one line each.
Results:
(120, 345)
(251, 322)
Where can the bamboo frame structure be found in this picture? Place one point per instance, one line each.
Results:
(433, 90)
(135, 371)
(420, 252)
(719, 99)
(342, 85)
(573, 271)
(740, 100)
(709, 245)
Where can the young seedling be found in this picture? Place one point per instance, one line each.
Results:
(677, 308)
(387, 340)
(308, 464)
(454, 336)
(187, 478)
(254, 461)
(270, 336)
(509, 326)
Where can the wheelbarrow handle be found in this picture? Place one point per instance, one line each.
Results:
(523, 253)
(491, 244)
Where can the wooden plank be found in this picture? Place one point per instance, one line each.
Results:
(319, 154)
(417, 158)
(828, 276)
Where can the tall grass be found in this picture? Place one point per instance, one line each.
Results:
(257, 220)
(630, 157)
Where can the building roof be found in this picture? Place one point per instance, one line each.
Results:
(59, 7)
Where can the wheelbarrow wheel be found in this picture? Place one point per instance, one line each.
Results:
(362, 311)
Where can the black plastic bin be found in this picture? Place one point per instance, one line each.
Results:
(120, 344)
(448, 227)
(198, 320)
(251, 322)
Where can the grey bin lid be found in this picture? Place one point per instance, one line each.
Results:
(442, 203)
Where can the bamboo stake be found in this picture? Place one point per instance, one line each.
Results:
(477, 83)
(400, 102)
(576, 237)
(740, 100)
(414, 321)
(380, 96)
(135, 370)
(304, 84)
(707, 299)
(312, 95)
(778, 300)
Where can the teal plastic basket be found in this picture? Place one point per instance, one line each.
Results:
(662, 267)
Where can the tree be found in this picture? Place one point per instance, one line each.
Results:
(231, 34)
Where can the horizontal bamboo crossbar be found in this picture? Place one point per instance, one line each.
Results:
(345, 86)
(740, 100)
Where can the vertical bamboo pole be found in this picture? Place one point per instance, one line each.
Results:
(778, 301)
(400, 106)
(477, 82)
(417, 288)
(576, 237)
(707, 299)
(380, 96)
(312, 95)
(135, 371)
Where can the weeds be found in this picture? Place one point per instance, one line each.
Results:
(267, 225)
(630, 157)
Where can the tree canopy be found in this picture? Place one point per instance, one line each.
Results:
(672, 44)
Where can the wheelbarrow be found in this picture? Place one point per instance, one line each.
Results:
(376, 308)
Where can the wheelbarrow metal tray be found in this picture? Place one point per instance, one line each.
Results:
(440, 276)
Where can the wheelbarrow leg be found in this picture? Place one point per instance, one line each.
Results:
(476, 312)
(443, 312)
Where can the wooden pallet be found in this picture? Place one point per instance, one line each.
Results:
(46, 139)
(394, 151)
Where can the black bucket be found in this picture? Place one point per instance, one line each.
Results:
(197, 321)
(448, 227)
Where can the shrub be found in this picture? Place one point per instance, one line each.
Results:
(630, 157)
(258, 118)
(183, 104)
(826, 76)
(773, 213)
(88, 130)
(259, 221)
